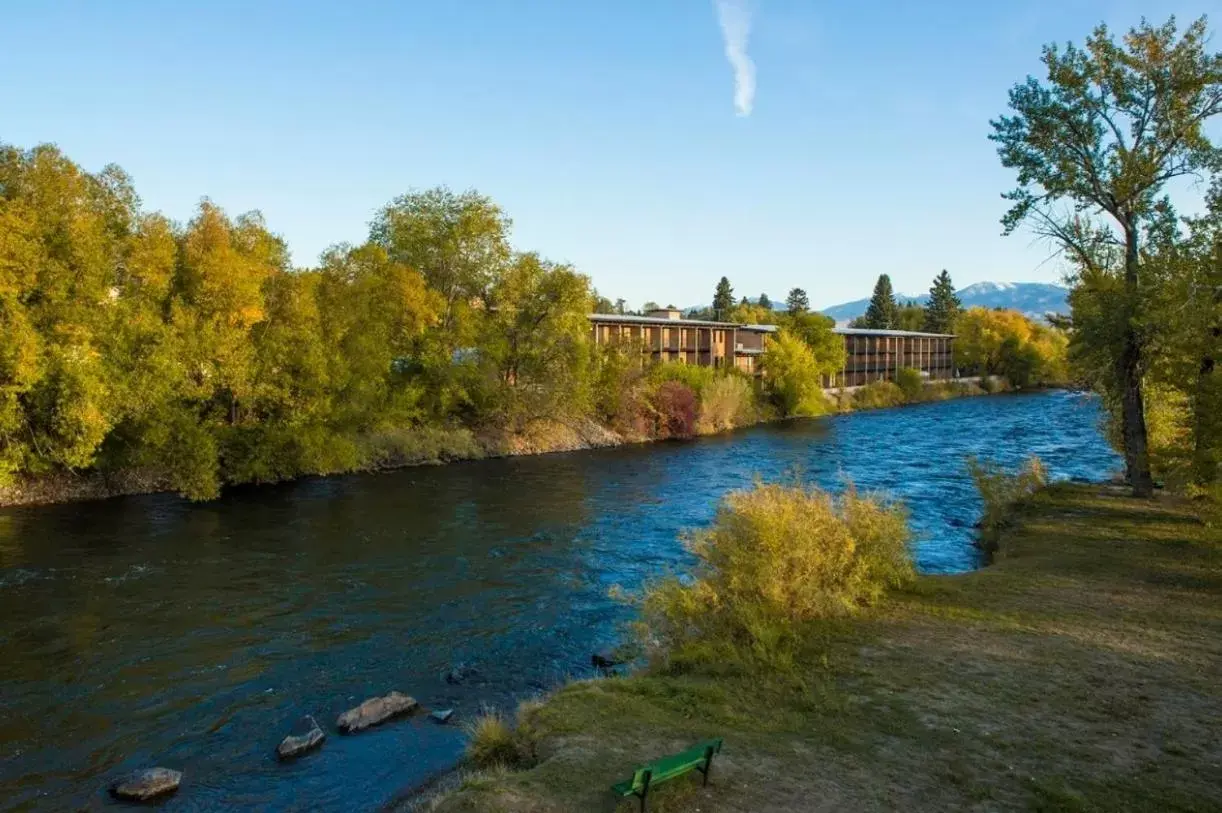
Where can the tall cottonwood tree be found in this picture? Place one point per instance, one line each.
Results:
(1094, 146)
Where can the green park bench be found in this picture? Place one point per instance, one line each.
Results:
(697, 758)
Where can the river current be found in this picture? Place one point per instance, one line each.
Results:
(147, 630)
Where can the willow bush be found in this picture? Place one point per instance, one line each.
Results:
(776, 558)
(727, 402)
(1002, 492)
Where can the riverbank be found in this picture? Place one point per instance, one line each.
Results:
(1076, 673)
(435, 446)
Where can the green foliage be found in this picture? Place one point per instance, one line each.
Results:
(1007, 343)
(775, 559)
(534, 341)
(909, 316)
(815, 330)
(944, 306)
(1110, 127)
(1002, 492)
(764, 302)
(694, 376)
(723, 298)
(883, 312)
(727, 402)
(879, 395)
(793, 376)
(197, 353)
(797, 301)
(911, 383)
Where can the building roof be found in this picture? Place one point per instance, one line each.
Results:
(865, 331)
(629, 319)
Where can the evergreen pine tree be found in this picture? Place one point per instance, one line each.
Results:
(883, 313)
(797, 301)
(944, 306)
(723, 299)
(765, 302)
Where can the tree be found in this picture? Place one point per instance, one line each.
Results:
(815, 330)
(458, 242)
(797, 302)
(793, 376)
(883, 312)
(764, 302)
(909, 316)
(943, 307)
(1005, 342)
(723, 298)
(602, 304)
(1112, 124)
(621, 306)
(748, 314)
(650, 306)
(536, 339)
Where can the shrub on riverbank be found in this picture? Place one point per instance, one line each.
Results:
(727, 402)
(911, 383)
(1003, 492)
(879, 395)
(406, 446)
(775, 559)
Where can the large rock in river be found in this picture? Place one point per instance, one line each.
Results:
(375, 710)
(139, 786)
(304, 736)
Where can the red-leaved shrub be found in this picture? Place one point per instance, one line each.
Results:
(676, 406)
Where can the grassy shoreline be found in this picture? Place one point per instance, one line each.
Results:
(1079, 672)
(439, 446)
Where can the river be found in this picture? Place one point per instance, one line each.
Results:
(148, 630)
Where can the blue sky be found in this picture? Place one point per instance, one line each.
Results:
(607, 130)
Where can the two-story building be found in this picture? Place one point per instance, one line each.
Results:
(870, 355)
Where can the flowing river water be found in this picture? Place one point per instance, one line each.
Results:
(148, 630)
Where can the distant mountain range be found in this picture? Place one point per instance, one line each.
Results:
(1035, 299)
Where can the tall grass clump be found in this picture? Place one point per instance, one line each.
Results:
(494, 742)
(1002, 493)
(776, 559)
(726, 403)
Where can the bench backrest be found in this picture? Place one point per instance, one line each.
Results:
(681, 762)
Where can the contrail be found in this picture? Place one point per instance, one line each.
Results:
(735, 19)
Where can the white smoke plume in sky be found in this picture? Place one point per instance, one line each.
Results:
(735, 19)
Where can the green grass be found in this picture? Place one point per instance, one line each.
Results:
(1078, 673)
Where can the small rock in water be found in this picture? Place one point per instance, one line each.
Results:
(305, 735)
(460, 674)
(373, 711)
(605, 659)
(146, 784)
(442, 716)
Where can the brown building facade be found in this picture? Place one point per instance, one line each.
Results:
(871, 355)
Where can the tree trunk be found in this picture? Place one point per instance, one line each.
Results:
(1207, 401)
(1129, 369)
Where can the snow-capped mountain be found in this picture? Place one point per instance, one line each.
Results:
(1035, 299)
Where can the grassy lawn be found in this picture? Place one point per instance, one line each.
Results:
(1079, 672)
